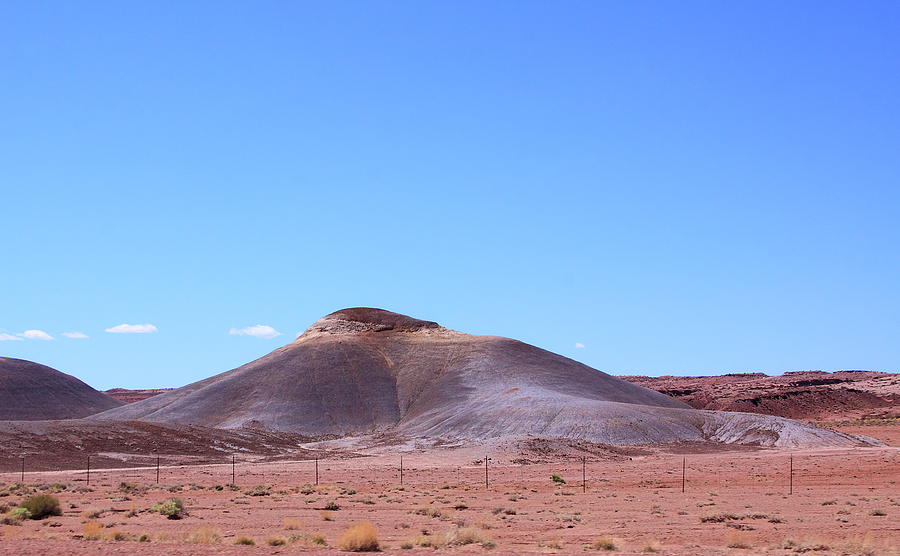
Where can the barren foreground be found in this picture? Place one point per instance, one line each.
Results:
(844, 501)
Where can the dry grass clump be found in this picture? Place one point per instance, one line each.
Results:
(91, 531)
(326, 515)
(430, 512)
(276, 541)
(116, 535)
(361, 537)
(720, 518)
(245, 541)
(205, 535)
(92, 514)
(735, 539)
(292, 523)
(604, 543)
(458, 536)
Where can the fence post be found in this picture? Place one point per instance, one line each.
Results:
(791, 474)
(23, 469)
(401, 469)
(317, 471)
(486, 471)
(89, 470)
(683, 465)
(233, 481)
(157, 468)
(583, 474)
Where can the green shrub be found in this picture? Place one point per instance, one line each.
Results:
(41, 506)
(557, 479)
(173, 508)
(15, 516)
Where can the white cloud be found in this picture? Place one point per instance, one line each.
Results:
(9, 338)
(35, 335)
(258, 331)
(75, 335)
(132, 329)
(579, 345)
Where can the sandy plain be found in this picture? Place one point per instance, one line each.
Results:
(735, 501)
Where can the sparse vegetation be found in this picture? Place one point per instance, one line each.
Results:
(245, 541)
(276, 541)
(557, 479)
(172, 508)
(361, 537)
(41, 506)
(205, 535)
(91, 531)
(719, 518)
(604, 543)
(458, 536)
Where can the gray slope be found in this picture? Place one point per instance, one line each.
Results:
(32, 392)
(362, 371)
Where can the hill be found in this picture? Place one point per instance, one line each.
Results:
(33, 392)
(369, 371)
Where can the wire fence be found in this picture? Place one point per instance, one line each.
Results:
(779, 473)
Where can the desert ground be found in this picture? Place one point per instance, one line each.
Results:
(736, 500)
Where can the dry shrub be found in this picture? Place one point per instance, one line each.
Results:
(115, 535)
(205, 535)
(276, 541)
(92, 530)
(458, 536)
(735, 539)
(327, 515)
(292, 523)
(92, 514)
(42, 505)
(246, 541)
(604, 543)
(361, 537)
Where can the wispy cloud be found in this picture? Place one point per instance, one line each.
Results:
(75, 335)
(132, 329)
(35, 335)
(579, 345)
(258, 331)
(4, 337)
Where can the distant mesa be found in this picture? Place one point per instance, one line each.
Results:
(33, 392)
(369, 371)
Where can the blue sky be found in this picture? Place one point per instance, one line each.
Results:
(680, 188)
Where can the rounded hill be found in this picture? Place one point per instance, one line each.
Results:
(33, 392)
(363, 370)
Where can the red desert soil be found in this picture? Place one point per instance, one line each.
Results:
(844, 501)
(807, 395)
